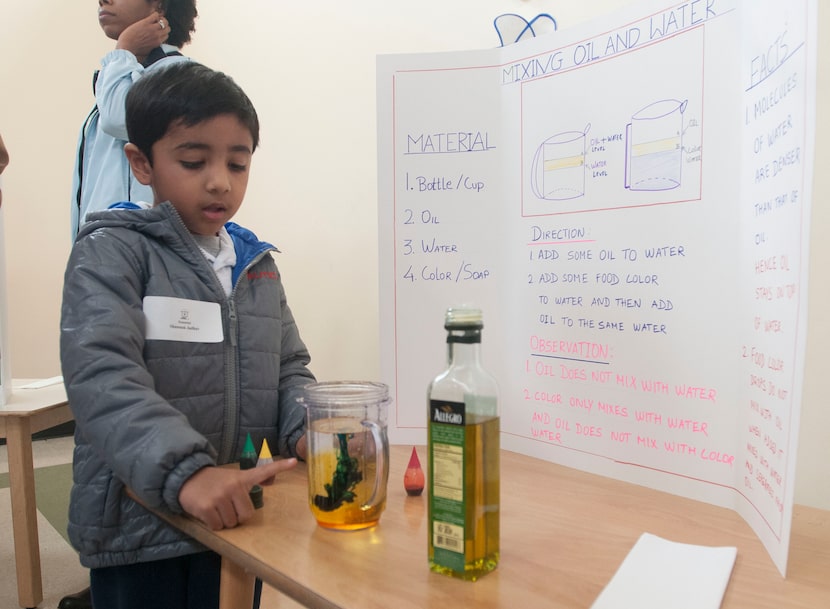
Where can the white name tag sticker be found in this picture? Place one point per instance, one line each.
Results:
(190, 321)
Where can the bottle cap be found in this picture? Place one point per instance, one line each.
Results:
(463, 316)
(256, 496)
(265, 451)
(264, 454)
(413, 478)
(248, 458)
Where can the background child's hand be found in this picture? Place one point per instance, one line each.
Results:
(219, 497)
(145, 35)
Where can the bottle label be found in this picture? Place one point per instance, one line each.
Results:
(446, 464)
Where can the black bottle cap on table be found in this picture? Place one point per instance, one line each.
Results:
(256, 496)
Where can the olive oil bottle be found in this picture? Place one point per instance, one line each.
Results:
(463, 456)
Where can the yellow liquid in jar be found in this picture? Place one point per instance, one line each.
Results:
(357, 514)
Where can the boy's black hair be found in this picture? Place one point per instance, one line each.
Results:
(185, 92)
(181, 15)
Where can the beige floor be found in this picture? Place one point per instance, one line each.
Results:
(62, 573)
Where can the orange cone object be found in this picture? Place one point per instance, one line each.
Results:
(413, 478)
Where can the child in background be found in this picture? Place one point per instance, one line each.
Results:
(176, 342)
(149, 34)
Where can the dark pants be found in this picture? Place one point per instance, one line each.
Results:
(186, 582)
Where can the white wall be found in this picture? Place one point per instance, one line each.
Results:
(310, 70)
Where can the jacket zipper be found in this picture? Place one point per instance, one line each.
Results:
(230, 428)
(230, 431)
(231, 423)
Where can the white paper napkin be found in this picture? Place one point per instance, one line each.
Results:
(658, 574)
(39, 384)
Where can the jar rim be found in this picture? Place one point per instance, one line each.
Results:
(347, 393)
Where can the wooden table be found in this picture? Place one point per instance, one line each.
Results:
(28, 412)
(564, 533)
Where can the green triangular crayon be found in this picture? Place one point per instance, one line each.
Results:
(248, 458)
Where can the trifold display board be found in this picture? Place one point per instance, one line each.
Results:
(628, 201)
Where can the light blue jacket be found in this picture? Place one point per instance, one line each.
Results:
(106, 172)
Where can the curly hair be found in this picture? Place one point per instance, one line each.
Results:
(181, 15)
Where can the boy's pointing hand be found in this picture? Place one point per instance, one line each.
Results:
(219, 496)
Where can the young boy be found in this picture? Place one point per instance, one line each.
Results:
(176, 342)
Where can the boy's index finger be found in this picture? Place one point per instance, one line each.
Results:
(265, 474)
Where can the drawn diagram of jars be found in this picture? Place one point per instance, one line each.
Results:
(558, 170)
(654, 146)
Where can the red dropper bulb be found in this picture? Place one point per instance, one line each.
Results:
(413, 478)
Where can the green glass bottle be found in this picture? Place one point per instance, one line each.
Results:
(463, 453)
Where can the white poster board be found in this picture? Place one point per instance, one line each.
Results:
(628, 202)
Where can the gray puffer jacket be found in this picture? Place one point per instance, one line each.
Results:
(150, 413)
